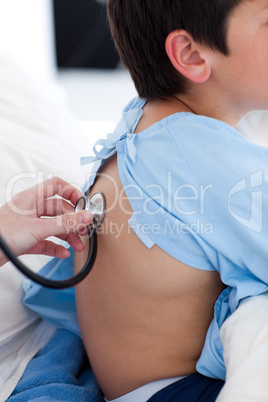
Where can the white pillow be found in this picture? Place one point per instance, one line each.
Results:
(38, 138)
(37, 132)
(254, 126)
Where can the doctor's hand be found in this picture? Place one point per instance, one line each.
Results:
(24, 224)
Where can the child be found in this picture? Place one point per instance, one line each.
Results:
(185, 232)
(190, 187)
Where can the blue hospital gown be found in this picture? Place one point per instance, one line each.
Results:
(198, 190)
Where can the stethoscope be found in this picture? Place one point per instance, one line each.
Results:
(96, 204)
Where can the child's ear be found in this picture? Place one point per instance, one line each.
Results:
(187, 56)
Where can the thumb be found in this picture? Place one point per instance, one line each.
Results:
(68, 223)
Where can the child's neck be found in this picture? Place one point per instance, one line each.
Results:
(156, 110)
(205, 100)
(159, 109)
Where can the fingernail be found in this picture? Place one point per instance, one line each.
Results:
(67, 254)
(85, 217)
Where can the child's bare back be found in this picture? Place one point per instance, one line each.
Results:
(143, 314)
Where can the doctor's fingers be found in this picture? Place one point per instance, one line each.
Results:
(57, 186)
(74, 240)
(46, 247)
(34, 197)
(54, 207)
(65, 224)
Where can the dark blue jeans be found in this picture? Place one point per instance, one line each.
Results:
(194, 388)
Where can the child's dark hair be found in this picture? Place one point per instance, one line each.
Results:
(140, 28)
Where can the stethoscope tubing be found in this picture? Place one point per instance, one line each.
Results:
(51, 283)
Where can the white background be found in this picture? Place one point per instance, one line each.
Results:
(27, 33)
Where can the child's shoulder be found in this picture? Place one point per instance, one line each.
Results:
(153, 116)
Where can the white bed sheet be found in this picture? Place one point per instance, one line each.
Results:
(38, 138)
(244, 336)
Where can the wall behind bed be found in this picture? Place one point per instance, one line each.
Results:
(26, 33)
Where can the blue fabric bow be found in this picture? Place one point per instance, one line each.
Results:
(108, 146)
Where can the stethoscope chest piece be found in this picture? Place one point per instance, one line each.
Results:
(96, 205)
